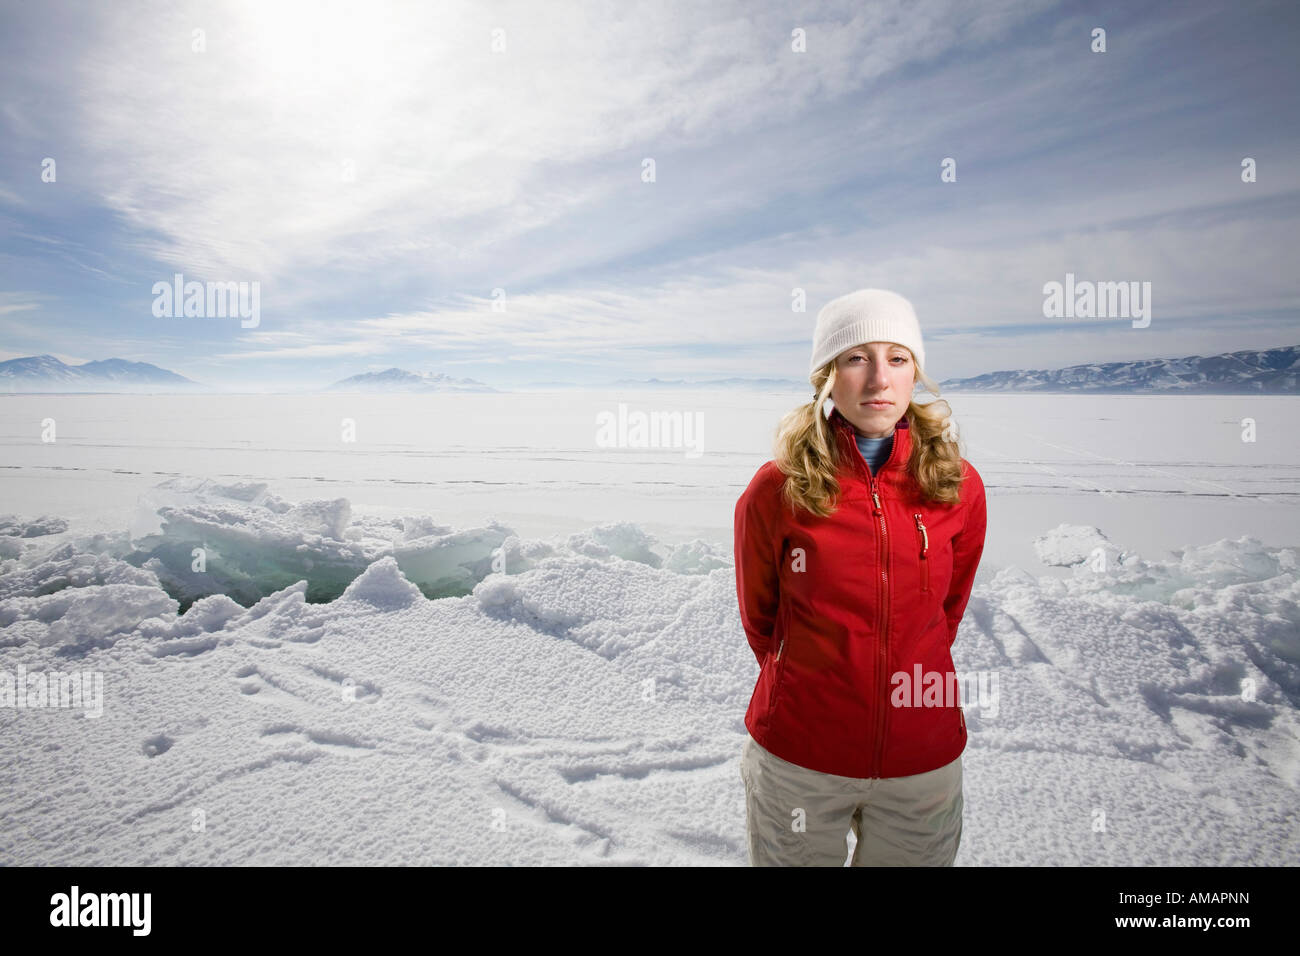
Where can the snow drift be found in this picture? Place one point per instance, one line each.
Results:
(303, 699)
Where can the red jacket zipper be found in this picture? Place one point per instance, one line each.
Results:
(883, 657)
(884, 628)
(925, 548)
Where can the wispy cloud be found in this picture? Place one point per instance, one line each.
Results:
(380, 170)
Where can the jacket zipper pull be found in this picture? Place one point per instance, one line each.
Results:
(876, 498)
(925, 538)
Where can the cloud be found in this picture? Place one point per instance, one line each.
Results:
(238, 157)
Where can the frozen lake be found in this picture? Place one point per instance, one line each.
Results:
(1153, 473)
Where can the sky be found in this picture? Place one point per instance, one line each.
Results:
(463, 188)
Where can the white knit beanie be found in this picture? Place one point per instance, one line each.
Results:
(868, 315)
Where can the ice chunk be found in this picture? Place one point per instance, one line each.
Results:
(621, 539)
(1071, 545)
(384, 586)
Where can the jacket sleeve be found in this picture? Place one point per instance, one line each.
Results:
(967, 547)
(758, 553)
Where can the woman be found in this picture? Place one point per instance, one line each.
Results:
(855, 553)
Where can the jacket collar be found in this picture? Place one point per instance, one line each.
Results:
(894, 467)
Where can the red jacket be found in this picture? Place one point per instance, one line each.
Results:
(844, 613)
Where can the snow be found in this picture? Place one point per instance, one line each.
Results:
(406, 687)
(383, 586)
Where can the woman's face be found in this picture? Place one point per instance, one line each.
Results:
(875, 372)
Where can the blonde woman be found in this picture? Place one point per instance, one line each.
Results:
(856, 549)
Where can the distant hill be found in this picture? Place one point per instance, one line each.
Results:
(777, 384)
(1253, 372)
(400, 380)
(45, 373)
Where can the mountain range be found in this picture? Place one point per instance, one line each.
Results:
(1247, 372)
(45, 373)
(400, 380)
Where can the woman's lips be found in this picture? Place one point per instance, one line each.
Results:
(877, 404)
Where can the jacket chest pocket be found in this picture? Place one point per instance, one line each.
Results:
(923, 543)
(929, 535)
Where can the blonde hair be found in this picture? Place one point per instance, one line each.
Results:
(808, 455)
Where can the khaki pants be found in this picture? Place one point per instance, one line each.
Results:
(799, 817)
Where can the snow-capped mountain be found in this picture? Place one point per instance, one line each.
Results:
(45, 373)
(400, 380)
(1251, 372)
